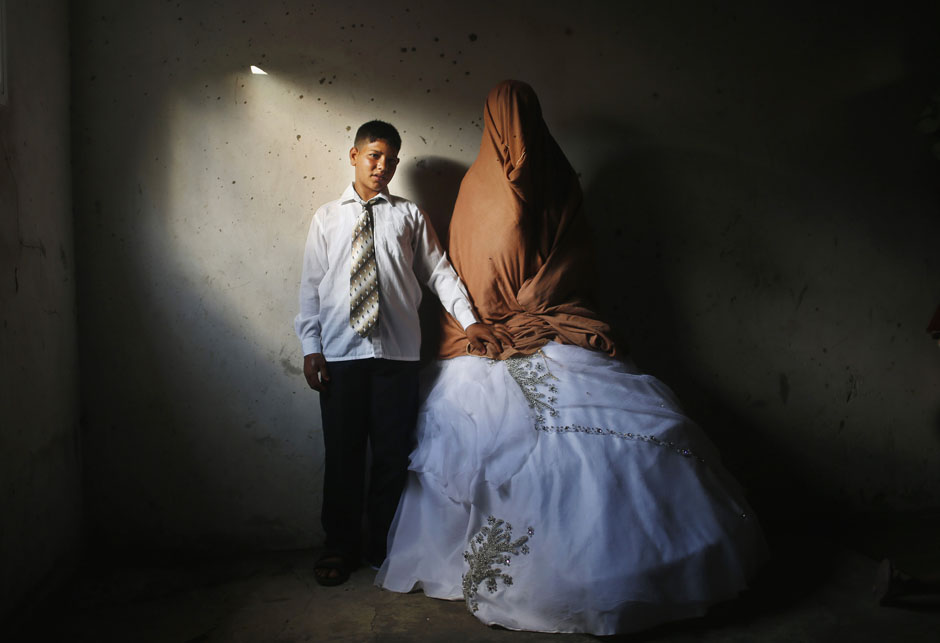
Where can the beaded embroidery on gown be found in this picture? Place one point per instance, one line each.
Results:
(565, 492)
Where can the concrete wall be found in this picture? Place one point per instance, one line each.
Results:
(40, 479)
(756, 176)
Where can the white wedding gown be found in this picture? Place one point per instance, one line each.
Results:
(563, 492)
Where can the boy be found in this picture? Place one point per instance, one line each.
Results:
(367, 255)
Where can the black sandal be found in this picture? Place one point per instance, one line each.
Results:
(327, 563)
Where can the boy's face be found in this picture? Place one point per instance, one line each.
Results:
(375, 165)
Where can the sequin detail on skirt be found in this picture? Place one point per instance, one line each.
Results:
(649, 439)
(491, 546)
(531, 372)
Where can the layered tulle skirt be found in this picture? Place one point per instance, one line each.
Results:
(563, 492)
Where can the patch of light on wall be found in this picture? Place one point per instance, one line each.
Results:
(258, 70)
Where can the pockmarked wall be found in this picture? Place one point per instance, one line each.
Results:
(40, 477)
(764, 206)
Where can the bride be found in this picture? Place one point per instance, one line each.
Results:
(553, 487)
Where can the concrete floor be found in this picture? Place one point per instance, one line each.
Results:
(817, 588)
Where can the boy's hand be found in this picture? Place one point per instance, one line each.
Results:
(316, 372)
(480, 334)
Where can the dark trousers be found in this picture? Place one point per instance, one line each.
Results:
(374, 401)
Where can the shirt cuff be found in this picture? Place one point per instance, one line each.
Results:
(464, 314)
(311, 345)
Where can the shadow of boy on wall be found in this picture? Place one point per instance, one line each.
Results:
(435, 182)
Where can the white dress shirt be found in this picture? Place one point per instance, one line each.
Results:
(407, 253)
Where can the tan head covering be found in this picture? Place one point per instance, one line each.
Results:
(518, 238)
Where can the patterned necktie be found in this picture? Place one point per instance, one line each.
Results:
(364, 276)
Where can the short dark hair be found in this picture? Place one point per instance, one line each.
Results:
(375, 131)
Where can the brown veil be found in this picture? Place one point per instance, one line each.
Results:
(518, 237)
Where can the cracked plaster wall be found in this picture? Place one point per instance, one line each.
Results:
(764, 206)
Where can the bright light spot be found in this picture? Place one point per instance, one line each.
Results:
(258, 70)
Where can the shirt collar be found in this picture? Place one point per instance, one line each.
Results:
(351, 196)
